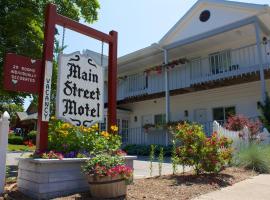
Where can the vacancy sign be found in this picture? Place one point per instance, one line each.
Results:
(47, 91)
(21, 74)
(80, 90)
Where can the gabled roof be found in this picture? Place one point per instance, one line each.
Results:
(248, 10)
(23, 116)
(247, 7)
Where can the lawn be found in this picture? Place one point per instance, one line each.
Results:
(15, 147)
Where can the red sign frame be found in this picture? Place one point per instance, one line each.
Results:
(53, 19)
(21, 74)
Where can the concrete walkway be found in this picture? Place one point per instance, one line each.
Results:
(255, 188)
(142, 169)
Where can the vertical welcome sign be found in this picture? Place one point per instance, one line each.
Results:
(80, 90)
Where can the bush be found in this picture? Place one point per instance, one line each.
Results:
(205, 154)
(265, 112)
(216, 154)
(238, 122)
(255, 157)
(68, 139)
(144, 150)
(32, 135)
(13, 139)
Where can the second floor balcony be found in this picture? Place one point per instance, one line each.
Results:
(220, 65)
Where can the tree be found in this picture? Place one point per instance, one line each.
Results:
(21, 30)
(12, 109)
(265, 112)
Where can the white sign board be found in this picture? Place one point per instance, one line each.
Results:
(47, 91)
(80, 90)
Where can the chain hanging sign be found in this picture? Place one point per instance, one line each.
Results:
(80, 90)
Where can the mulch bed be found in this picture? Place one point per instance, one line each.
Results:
(180, 186)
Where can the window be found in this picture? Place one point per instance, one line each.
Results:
(223, 113)
(124, 132)
(205, 15)
(160, 119)
(220, 61)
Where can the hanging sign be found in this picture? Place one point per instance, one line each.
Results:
(80, 90)
(47, 91)
(21, 74)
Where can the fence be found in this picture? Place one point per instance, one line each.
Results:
(4, 128)
(142, 136)
(263, 136)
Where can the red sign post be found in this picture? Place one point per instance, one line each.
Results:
(53, 19)
(21, 74)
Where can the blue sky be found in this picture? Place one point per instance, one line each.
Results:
(139, 23)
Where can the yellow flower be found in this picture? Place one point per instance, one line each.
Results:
(66, 126)
(105, 134)
(95, 127)
(114, 128)
(53, 118)
(81, 128)
(64, 133)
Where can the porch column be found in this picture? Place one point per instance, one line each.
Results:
(259, 49)
(167, 92)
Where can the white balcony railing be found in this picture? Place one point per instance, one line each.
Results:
(216, 66)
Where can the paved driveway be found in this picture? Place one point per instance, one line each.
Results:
(141, 166)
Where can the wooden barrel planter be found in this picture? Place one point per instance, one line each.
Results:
(107, 186)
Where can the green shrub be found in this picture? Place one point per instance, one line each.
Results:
(205, 154)
(13, 139)
(66, 138)
(32, 135)
(160, 161)
(255, 157)
(152, 158)
(144, 150)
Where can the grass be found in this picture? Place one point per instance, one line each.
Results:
(15, 147)
(255, 157)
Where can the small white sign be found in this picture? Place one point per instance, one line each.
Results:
(47, 91)
(80, 90)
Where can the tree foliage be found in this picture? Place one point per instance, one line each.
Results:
(12, 109)
(265, 112)
(22, 25)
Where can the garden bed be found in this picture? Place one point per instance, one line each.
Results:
(181, 186)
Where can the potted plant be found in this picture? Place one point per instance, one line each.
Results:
(107, 176)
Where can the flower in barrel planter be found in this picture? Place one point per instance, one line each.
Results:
(107, 176)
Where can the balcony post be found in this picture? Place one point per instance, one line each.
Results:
(167, 91)
(259, 49)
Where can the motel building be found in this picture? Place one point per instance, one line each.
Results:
(217, 63)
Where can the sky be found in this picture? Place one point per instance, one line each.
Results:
(139, 23)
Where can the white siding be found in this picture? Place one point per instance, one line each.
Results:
(244, 97)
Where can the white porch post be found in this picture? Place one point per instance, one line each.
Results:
(4, 128)
(259, 49)
(167, 92)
